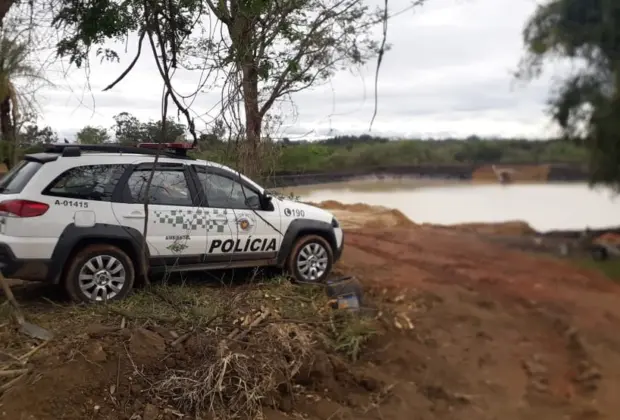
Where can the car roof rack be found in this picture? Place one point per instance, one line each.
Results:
(74, 150)
(178, 149)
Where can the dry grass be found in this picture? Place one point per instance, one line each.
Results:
(254, 339)
(235, 381)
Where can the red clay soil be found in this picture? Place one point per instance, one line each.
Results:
(498, 334)
(518, 173)
(502, 334)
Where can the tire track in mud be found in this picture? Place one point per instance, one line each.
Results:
(564, 371)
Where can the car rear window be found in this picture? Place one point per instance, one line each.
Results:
(17, 178)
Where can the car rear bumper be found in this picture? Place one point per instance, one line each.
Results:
(23, 269)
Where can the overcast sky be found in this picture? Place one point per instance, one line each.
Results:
(449, 73)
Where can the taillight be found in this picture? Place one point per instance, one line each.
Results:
(23, 208)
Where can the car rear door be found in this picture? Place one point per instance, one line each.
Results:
(176, 226)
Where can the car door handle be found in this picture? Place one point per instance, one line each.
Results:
(135, 215)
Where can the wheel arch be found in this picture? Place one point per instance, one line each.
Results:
(74, 238)
(303, 227)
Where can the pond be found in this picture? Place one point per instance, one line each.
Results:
(543, 206)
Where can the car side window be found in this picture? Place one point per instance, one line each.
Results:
(92, 182)
(169, 187)
(228, 193)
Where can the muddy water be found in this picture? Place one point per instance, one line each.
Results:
(543, 206)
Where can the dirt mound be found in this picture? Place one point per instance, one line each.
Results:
(516, 173)
(159, 355)
(514, 228)
(363, 215)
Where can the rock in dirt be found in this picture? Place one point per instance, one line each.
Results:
(95, 352)
(165, 332)
(533, 368)
(150, 412)
(146, 344)
(99, 331)
(315, 373)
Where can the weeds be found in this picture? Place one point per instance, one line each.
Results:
(248, 343)
(351, 333)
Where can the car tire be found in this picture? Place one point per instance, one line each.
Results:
(310, 260)
(97, 269)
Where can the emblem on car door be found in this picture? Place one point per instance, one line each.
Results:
(245, 223)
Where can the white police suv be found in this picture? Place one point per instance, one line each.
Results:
(75, 215)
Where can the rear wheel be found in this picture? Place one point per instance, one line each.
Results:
(99, 273)
(311, 259)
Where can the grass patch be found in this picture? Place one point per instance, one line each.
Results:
(351, 333)
(611, 268)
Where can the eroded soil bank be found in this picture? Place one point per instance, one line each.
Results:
(463, 328)
(466, 172)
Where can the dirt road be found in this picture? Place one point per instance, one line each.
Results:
(497, 334)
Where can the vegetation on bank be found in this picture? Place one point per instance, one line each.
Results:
(585, 101)
(334, 154)
(611, 268)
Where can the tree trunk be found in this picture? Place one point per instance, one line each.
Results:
(6, 129)
(250, 156)
(5, 5)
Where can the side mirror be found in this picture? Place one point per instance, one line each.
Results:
(253, 202)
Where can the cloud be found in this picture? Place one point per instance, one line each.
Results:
(448, 73)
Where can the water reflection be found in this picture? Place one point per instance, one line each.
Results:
(543, 206)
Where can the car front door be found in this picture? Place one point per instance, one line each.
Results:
(240, 227)
(176, 232)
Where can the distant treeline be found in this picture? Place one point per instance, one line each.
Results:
(359, 152)
(340, 153)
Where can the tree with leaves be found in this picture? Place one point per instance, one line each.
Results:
(92, 135)
(5, 5)
(586, 104)
(269, 49)
(272, 49)
(14, 65)
(130, 131)
(32, 135)
(153, 130)
(163, 26)
(127, 129)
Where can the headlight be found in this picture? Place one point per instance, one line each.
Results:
(335, 223)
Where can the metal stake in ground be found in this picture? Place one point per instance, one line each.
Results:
(25, 327)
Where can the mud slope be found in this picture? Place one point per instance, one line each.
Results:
(498, 333)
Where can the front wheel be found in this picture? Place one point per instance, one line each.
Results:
(311, 259)
(100, 273)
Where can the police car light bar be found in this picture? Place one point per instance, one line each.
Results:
(176, 148)
(171, 146)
